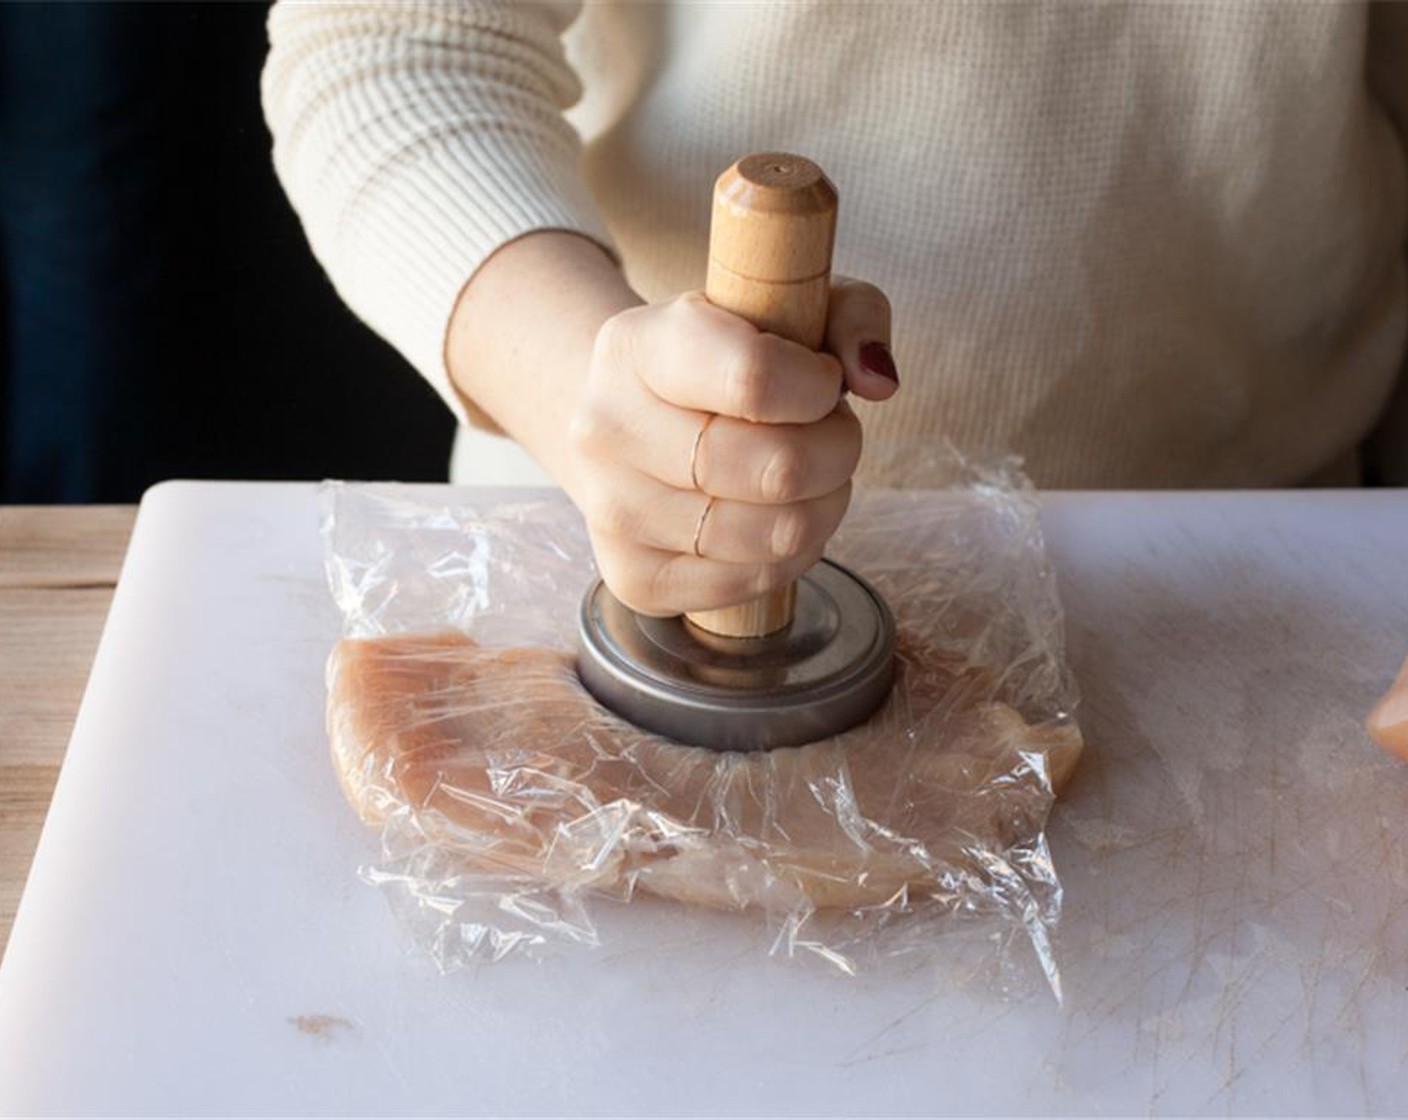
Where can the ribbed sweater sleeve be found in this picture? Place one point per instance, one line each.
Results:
(414, 138)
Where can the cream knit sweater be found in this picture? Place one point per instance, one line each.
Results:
(1146, 245)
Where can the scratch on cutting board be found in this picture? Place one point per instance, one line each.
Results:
(1238, 1069)
(894, 1052)
(321, 1027)
(855, 1055)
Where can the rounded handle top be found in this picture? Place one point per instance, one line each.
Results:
(770, 245)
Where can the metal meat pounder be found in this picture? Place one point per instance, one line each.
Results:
(811, 659)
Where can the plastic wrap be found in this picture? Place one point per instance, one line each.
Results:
(513, 808)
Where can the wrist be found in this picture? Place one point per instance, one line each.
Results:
(520, 339)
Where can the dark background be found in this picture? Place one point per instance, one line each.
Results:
(163, 314)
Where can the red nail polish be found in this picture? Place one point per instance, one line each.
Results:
(875, 357)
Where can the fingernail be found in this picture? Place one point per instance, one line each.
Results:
(875, 357)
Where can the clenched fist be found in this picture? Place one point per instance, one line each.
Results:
(712, 461)
(716, 460)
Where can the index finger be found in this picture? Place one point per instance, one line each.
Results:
(698, 356)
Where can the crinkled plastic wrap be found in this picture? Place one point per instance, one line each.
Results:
(514, 808)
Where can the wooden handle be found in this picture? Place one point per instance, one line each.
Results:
(770, 245)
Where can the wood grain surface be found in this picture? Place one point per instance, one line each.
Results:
(58, 568)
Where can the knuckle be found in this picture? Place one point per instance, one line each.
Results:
(613, 518)
(608, 518)
(791, 532)
(688, 306)
(616, 343)
(685, 316)
(746, 378)
(784, 475)
(608, 338)
(587, 431)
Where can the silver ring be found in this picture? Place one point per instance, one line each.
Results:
(694, 452)
(699, 528)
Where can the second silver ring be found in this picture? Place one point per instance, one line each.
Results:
(694, 451)
(699, 527)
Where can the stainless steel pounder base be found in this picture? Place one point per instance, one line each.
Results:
(827, 671)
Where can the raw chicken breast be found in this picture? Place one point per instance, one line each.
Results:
(506, 759)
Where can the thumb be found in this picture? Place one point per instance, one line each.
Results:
(858, 332)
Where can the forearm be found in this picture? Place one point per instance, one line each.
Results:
(521, 337)
(415, 139)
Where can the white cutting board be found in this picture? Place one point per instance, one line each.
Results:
(194, 940)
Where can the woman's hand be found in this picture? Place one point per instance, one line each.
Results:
(711, 461)
(716, 460)
(1388, 722)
